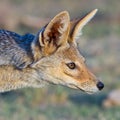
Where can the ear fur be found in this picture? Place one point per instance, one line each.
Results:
(76, 26)
(55, 33)
(52, 36)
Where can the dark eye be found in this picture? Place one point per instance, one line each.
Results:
(71, 65)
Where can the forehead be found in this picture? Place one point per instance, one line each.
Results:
(72, 53)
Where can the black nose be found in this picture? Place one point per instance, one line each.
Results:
(100, 85)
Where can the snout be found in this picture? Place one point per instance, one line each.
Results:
(100, 85)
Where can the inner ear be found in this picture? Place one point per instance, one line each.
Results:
(55, 34)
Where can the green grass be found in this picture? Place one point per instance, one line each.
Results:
(98, 30)
(78, 107)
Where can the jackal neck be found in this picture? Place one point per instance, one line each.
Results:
(11, 78)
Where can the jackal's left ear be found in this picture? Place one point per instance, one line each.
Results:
(77, 25)
(55, 34)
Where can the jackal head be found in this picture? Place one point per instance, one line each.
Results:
(56, 55)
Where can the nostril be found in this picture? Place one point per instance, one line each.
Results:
(100, 85)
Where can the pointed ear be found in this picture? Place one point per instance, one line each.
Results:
(55, 34)
(76, 26)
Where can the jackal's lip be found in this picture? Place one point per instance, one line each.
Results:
(78, 88)
(90, 92)
(75, 87)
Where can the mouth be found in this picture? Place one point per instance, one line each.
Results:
(91, 91)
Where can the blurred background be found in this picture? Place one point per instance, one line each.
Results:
(100, 45)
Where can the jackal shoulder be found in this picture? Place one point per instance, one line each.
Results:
(15, 49)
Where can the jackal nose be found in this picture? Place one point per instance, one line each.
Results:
(100, 85)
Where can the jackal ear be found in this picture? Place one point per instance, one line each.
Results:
(77, 25)
(55, 33)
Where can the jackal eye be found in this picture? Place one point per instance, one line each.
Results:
(71, 65)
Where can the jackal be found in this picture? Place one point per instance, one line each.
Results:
(49, 57)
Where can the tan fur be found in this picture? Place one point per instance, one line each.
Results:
(55, 51)
(55, 33)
